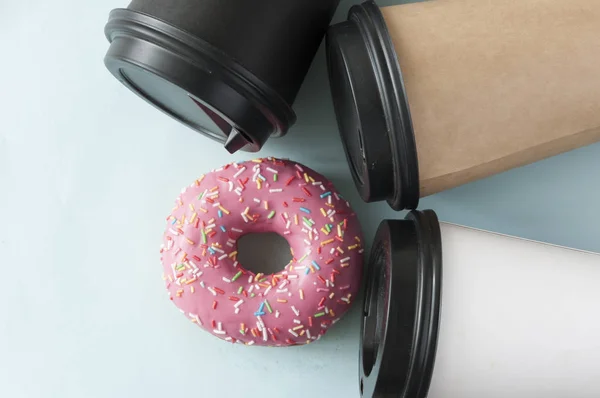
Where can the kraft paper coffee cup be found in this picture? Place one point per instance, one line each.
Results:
(436, 94)
(454, 312)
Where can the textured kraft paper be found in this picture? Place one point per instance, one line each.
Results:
(494, 85)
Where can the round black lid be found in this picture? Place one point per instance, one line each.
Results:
(194, 82)
(402, 308)
(372, 109)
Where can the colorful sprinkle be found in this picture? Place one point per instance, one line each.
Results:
(236, 276)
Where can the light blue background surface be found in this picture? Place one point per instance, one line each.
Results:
(88, 172)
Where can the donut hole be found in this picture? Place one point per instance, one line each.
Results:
(266, 252)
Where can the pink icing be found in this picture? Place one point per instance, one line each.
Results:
(294, 306)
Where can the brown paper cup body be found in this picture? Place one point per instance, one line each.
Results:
(494, 85)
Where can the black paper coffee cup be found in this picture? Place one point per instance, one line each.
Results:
(228, 69)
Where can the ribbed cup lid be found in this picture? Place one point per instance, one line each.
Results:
(372, 109)
(193, 82)
(402, 308)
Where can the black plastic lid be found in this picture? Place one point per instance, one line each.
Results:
(194, 82)
(372, 109)
(402, 308)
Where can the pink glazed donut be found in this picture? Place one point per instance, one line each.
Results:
(292, 307)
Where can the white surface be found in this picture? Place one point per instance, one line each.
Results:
(519, 319)
(87, 174)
